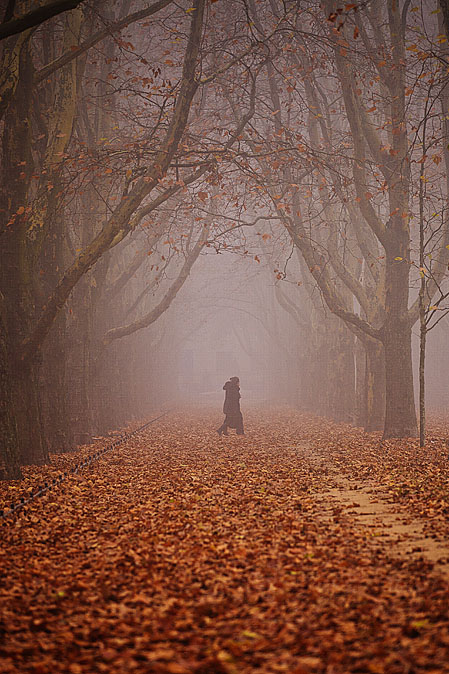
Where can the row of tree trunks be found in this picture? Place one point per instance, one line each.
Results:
(29, 194)
(337, 375)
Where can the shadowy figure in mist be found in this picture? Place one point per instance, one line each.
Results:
(231, 408)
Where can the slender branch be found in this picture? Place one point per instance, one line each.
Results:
(120, 282)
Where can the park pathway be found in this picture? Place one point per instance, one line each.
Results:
(303, 547)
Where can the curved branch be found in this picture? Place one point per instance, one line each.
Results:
(135, 264)
(318, 268)
(290, 307)
(154, 314)
(343, 272)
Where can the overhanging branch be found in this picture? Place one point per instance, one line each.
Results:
(36, 17)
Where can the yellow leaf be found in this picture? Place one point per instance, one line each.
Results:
(398, 258)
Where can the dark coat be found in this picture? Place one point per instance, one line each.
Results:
(231, 406)
(232, 398)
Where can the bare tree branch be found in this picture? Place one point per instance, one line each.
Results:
(35, 17)
(123, 214)
(168, 298)
(68, 56)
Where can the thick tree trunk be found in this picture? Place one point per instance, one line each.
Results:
(307, 387)
(340, 382)
(54, 391)
(400, 415)
(78, 364)
(16, 275)
(9, 456)
(106, 388)
(374, 386)
(27, 407)
(57, 425)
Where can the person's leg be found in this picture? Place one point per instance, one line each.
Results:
(239, 428)
(223, 430)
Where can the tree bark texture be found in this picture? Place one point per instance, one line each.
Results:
(374, 386)
(16, 271)
(8, 430)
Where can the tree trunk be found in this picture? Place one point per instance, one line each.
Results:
(341, 372)
(400, 416)
(8, 430)
(360, 384)
(27, 407)
(374, 386)
(16, 274)
(78, 364)
(422, 385)
(57, 425)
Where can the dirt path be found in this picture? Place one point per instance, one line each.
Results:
(186, 553)
(371, 507)
(403, 536)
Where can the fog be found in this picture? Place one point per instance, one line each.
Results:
(230, 331)
(227, 321)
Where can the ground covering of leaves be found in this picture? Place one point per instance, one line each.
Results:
(185, 553)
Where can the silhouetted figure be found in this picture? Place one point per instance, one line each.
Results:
(231, 408)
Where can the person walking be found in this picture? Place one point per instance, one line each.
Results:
(231, 408)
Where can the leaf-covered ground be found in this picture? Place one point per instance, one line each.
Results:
(185, 553)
